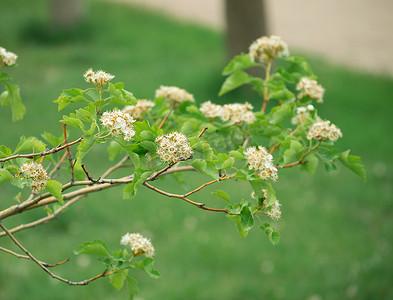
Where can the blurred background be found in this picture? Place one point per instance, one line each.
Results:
(336, 232)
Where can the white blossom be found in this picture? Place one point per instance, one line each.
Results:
(323, 131)
(98, 78)
(237, 113)
(7, 58)
(37, 174)
(174, 147)
(311, 88)
(139, 245)
(174, 95)
(266, 48)
(211, 110)
(119, 123)
(262, 161)
(140, 109)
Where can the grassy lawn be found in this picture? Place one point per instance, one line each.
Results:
(335, 232)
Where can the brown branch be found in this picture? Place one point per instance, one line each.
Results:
(166, 118)
(70, 159)
(206, 184)
(27, 257)
(45, 219)
(88, 175)
(202, 132)
(43, 153)
(43, 267)
(197, 204)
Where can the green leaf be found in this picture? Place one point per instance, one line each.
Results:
(149, 145)
(96, 247)
(354, 164)
(140, 177)
(73, 120)
(5, 151)
(274, 236)
(235, 80)
(240, 230)
(206, 167)
(221, 194)
(70, 96)
(117, 279)
(4, 100)
(246, 219)
(295, 148)
(85, 145)
(17, 107)
(134, 157)
(238, 154)
(5, 175)
(311, 164)
(148, 266)
(55, 188)
(228, 163)
(4, 77)
(280, 113)
(199, 164)
(29, 144)
(51, 139)
(238, 63)
(132, 286)
(114, 149)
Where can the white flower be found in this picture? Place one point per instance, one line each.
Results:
(323, 131)
(7, 58)
(37, 174)
(140, 109)
(237, 113)
(302, 113)
(174, 95)
(119, 123)
(266, 48)
(174, 147)
(261, 160)
(98, 78)
(139, 245)
(310, 88)
(275, 211)
(210, 110)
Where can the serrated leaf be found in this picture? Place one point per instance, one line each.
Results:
(14, 99)
(148, 266)
(221, 194)
(5, 175)
(238, 63)
(235, 80)
(240, 230)
(274, 236)
(85, 145)
(5, 151)
(132, 286)
(149, 145)
(117, 279)
(238, 154)
(96, 247)
(140, 177)
(280, 113)
(246, 219)
(55, 188)
(199, 164)
(354, 164)
(134, 157)
(30, 144)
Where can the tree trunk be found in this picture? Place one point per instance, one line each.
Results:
(246, 21)
(65, 13)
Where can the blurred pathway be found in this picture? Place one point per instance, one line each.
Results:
(358, 33)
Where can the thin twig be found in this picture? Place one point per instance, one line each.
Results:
(202, 132)
(166, 118)
(27, 257)
(266, 90)
(43, 153)
(58, 165)
(43, 267)
(208, 183)
(44, 220)
(69, 154)
(197, 204)
(88, 175)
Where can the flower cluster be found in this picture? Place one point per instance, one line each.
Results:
(119, 123)
(210, 110)
(275, 211)
(7, 58)
(174, 147)
(262, 161)
(98, 78)
(254, 196)
(323, 131)
(238, 113)
(174, 95)
(140, 109)
(302, 113)
(266, 48)
(310, 88)
(37, 174)
(139, 245)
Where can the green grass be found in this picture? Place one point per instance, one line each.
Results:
(335, 232)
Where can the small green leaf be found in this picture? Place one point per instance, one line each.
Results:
(149, 145)
(96, 247)
(5, 175)
(246, 219)
(148, 266)
(114, 149)
(30, 144)
(132, 286)
(240, 62)
(17, 107)
(274, 236)
(5, 151)
(238, 154)
(240, 230)
(199, 164)
(55, 188)
(140, 177)
(117, 279)
(235, 80)
(85, 145)
(311, 164)
(51, 139)
(221, 194)
(354, 164)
